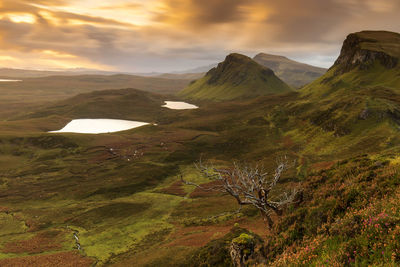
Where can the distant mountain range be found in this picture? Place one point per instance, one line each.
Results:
(294, 73)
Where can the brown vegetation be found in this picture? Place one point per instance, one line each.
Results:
(46, 241)
(65, 259)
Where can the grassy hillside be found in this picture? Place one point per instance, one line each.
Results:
(237, 77)
(294, 73)
(122, 196)
(362, 88)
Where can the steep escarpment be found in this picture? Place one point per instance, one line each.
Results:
(368, 59)
(361, 90)
(363, 49)
(238, 76)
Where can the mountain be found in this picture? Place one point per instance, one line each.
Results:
(295, 74)
(364, 49)
(369, 60)
(292, 72)
(361, 90)
(238, 76)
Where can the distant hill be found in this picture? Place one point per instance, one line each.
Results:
(292, 72)
(118, 104)
(238, 76)
(191, 76)
(58, 87)
(201, 69)
(23, 73)
(17, 97)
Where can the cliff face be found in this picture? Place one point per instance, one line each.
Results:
(365, 48)
(368, 59)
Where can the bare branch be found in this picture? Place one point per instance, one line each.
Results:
(248, 185)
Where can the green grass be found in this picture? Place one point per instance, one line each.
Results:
(381, 41)
(11, 225)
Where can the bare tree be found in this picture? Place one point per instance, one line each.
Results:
(249, 186)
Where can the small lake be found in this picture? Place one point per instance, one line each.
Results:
(178, 105)
(97, 126)
(7, 80)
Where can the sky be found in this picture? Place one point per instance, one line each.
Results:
(169, 35)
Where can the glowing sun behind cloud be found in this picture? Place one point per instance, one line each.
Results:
(21, 18)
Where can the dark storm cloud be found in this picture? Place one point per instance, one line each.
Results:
(203, 12)
(306, 20)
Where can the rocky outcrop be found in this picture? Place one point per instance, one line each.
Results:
(361, 50)
(241, 249)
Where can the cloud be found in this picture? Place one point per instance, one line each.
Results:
(130, 6)
(199, 13)
(162, 35)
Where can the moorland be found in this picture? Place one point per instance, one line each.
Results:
(117, 199)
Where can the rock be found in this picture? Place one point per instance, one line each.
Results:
(364, 114)
(239, 246)
(363, 49)
(241, 249)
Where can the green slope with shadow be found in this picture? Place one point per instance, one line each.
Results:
(237, 77)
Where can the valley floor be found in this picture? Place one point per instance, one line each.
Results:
(117, 199)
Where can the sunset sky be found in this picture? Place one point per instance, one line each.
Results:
(165, 35)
